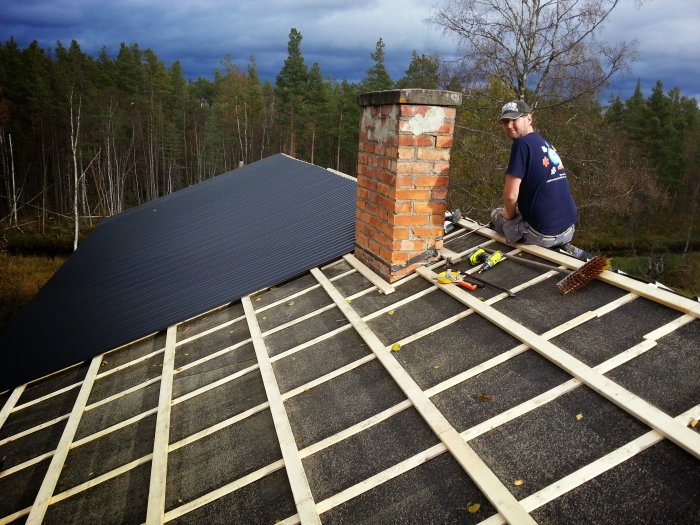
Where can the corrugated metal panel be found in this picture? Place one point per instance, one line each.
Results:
(179, 256)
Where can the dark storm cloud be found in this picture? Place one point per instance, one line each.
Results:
(338, 34)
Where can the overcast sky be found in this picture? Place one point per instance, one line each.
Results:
(338, 34)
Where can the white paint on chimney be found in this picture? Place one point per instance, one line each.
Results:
(379, 129)
(431, 122)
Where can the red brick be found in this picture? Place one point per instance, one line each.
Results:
(429, 207)
(439, 194)
(437, 220)
(402, 207)
(441, 169)
(433, 154)
(410, 220)
(398, 257)
(413, 195)
(409, 110)
(416, 245)
(432, 181)
(405, 181)
(404, 153)
(444, 141)
(400, 233)
(391, 150)
(409, 139)
(428, 233)
(422, 168)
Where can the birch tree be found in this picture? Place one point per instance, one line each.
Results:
(74, 132)
(545, 48)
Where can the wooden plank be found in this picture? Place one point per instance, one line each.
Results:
(37, 428)
(10, 404)
(594, 469)
(485, 479)
(47, 396)
(223, 491)
(642, 410)
(159, 463)
(662, 331)
(210, 330)
(123, 393)
(372, 277)
(41, 502)
(648, 291)
(306, 507)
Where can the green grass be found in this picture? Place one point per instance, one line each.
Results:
(679, 272)
(21, 277)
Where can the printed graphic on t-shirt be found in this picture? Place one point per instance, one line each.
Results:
(552, 158)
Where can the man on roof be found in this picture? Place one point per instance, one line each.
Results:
(538, 207)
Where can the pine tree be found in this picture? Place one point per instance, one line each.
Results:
(291, 89)
(377, 78)
(423, 72)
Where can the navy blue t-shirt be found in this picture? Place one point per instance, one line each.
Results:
(545, 200)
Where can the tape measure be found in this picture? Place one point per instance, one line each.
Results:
(449, 276)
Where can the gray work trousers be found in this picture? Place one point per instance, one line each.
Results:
(517, 229)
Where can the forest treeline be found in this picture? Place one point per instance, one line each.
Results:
(89, 136)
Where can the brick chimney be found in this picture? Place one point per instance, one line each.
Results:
(402, 177)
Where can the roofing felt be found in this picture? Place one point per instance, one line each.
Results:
(294, 404)
(151, 266)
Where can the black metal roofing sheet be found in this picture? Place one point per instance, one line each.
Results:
(178, 256)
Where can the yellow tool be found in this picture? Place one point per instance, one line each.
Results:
(491, 261)
(449, 276)
(478, 257)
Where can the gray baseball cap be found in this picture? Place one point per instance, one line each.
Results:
(515, 109)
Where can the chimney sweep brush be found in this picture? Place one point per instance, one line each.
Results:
(584, 274)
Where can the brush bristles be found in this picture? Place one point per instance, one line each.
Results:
(584, 275)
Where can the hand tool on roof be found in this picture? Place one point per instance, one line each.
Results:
(491, 261)
(468, 285)
(585, 274)
(574, 280)
(533, 264)
(449, 276)
(451, 219)
(478, 257)
(455, 277)
(487, 261)
(492, 285)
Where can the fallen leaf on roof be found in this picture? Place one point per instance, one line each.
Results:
(481, 396)
(518, 482)
(473, 507)
(693, 423)
(579, 417)
(391, 312)
(395, 347)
